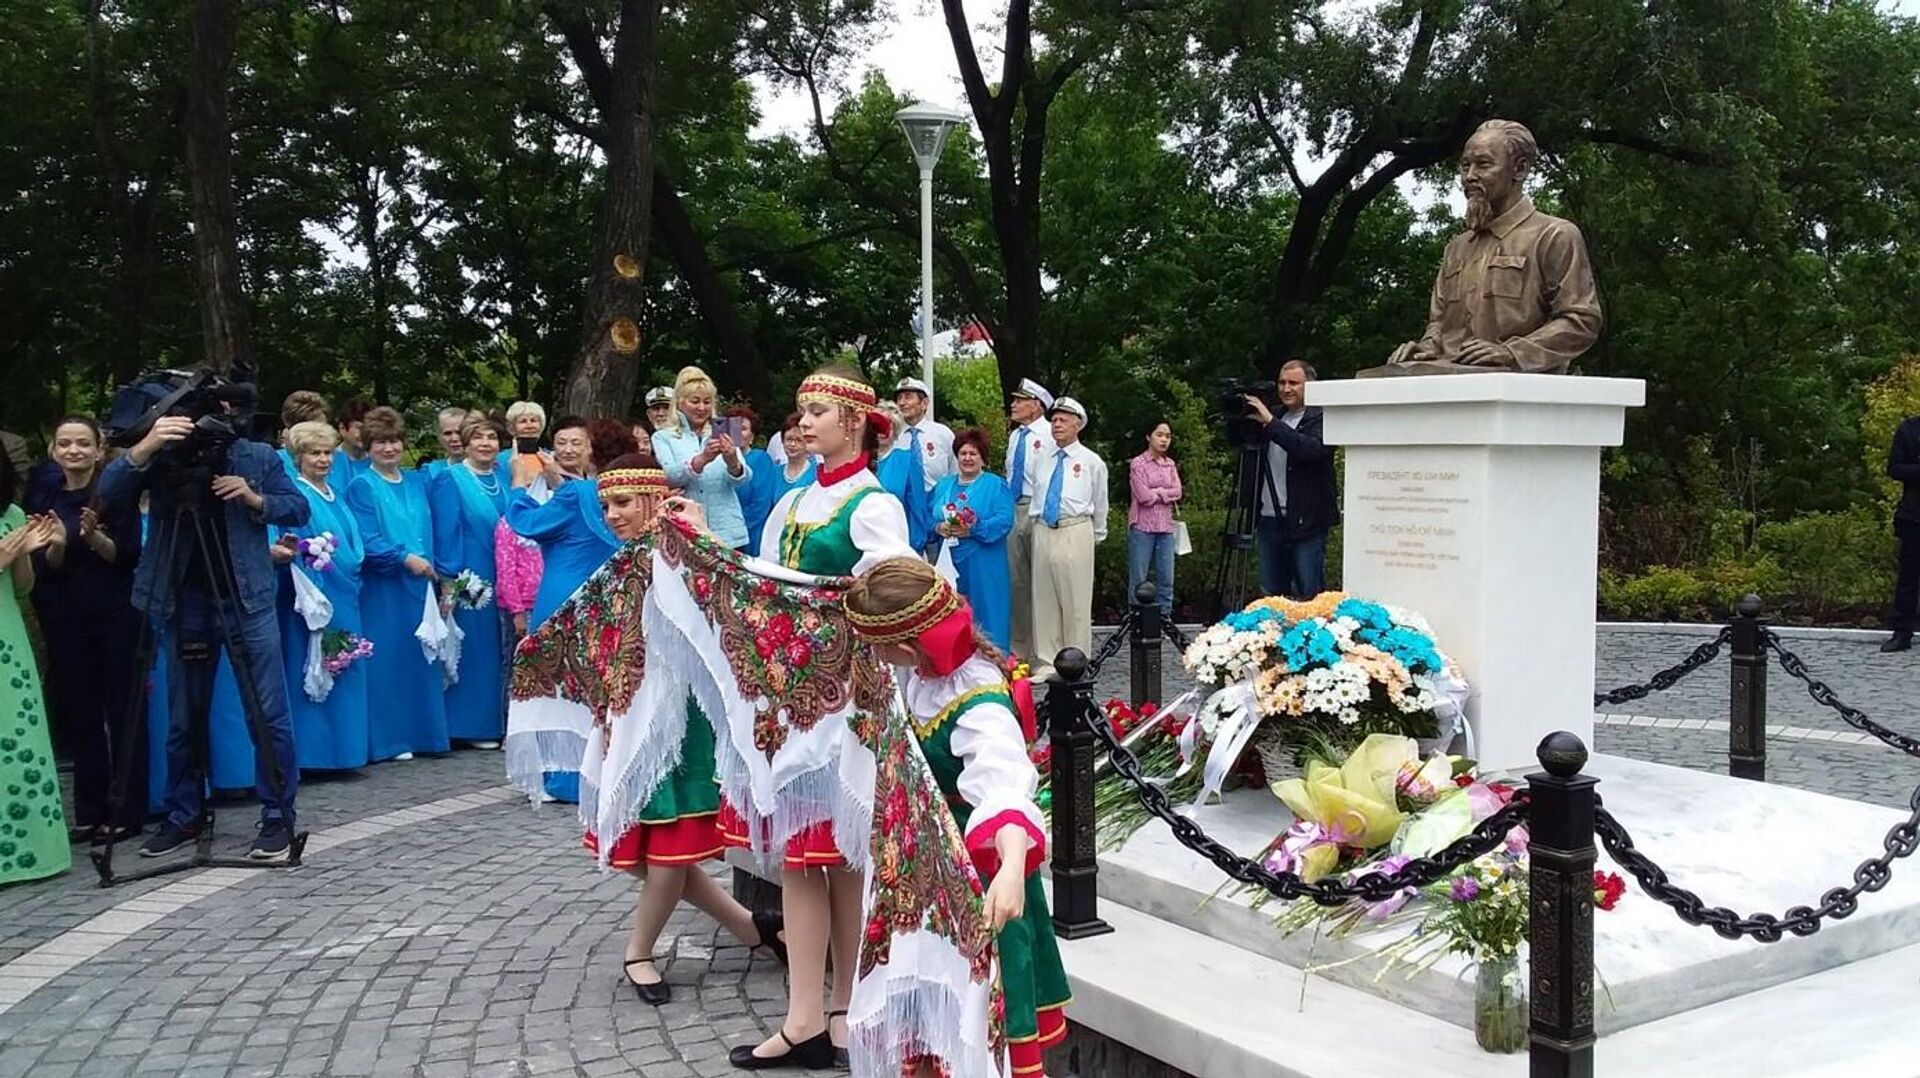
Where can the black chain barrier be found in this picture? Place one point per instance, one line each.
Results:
(1376, 887)
(1824, 695)
(1176, 634)
(1668, 678)
(1835, 905)
(1112, 646)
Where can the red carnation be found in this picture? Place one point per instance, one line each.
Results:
(1607, 889)
(779, 629)
(768, 589)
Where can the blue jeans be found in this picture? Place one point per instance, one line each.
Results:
(1295, 568)
(199, 626)
(1151, 550)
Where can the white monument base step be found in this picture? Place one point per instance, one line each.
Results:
(1745, 845)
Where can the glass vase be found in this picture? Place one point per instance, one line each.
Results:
(1500, 1005)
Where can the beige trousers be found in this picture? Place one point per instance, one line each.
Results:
(1020, 582)
(1062, 589)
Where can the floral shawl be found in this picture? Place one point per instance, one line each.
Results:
(809, 728)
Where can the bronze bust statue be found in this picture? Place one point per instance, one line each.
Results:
(1515, 290)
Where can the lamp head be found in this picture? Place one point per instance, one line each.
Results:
(927, 127)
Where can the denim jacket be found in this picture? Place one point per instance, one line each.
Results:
(255, 584)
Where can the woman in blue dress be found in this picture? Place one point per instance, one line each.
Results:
(571, 530)
(973, 511)
(900, 472)
(390, 506)
(468, 500)
(794, 468)
(329, 734)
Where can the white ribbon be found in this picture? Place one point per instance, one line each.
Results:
(316, 610)
(944, 563)
(1239, 719)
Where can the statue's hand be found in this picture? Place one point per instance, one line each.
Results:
(1403, 353)
(1479, 353)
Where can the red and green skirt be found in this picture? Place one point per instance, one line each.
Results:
(680, 825)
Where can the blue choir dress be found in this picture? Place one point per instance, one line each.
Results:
(466, 509)
(903, 477)
(980, 559)
(407, 691)
(331, 734)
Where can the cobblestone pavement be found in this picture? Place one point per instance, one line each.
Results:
(482, 942)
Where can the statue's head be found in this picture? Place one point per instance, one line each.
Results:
(1493, 168)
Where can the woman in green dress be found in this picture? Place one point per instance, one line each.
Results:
(33, 830)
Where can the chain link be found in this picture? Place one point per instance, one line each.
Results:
(1837, 904)
(1375, 887)
(1112, 645)
(1668, 678)
(1176, 634)
(1824, 695)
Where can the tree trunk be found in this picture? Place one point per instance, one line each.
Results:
(606, 370)
(744, 367)
(223, 302)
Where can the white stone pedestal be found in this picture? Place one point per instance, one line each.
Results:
(1475, 500)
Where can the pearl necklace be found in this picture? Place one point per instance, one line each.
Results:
(325, 495)
(492, 478)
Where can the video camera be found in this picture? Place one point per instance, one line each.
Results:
(221, 409)
(1237, 421)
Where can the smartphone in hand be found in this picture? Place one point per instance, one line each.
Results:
(526, 446)
(728, 425)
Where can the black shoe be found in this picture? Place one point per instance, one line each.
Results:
(84, 834)
(840, 1057)
(653, 995)
(169, 838)
(770, 925)
(1899, 641)
(105, 835)
(814, 1054)
(272, 841)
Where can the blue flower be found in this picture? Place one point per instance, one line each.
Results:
(1245, 621)
(1372, 617)
(1413, 648)
(1309, 644)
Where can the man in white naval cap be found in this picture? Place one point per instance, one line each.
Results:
(926, 436)
(660, 406)
(1027, 439)
(1069, 515)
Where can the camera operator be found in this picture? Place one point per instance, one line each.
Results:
(174, 587)
(1297, 509)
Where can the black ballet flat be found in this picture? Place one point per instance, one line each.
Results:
(815, 1053)
(770, 925)
(840, 1057)
(653, 995)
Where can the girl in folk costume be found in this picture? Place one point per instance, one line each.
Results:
(675, 832)
(839, 526)
(962, 710)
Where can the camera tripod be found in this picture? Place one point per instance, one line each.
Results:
(190, 510)
(1252, 473)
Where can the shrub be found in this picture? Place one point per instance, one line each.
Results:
(1832, 561)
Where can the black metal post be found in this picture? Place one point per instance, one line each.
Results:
(1560, 922)
(1076, 903)
(1747, 730)
(1145, 658)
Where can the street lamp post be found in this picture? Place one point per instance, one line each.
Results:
(927, 128)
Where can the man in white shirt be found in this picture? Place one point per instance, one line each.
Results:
(1026, 443)
(1069, 516)
(924, 435)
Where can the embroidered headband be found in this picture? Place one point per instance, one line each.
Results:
(645, 481)
(845, 393)
(938, 604)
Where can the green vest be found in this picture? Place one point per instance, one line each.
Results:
(936, 742)
(826, 548)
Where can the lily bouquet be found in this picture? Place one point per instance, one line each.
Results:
(469, 591)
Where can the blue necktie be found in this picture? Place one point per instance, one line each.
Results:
(913, 443)
(1019, 475)
(1051, 511)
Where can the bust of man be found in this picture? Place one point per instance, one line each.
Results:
(1515, 290)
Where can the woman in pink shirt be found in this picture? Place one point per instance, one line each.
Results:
(1155, 482)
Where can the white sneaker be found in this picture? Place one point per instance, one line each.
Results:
(404, 756)
(486, 744)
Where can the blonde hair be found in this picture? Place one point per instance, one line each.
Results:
(520, 408)
(689, 381)
(310, 435)
(455, 413)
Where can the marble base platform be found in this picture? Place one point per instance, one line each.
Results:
(1748, 846)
